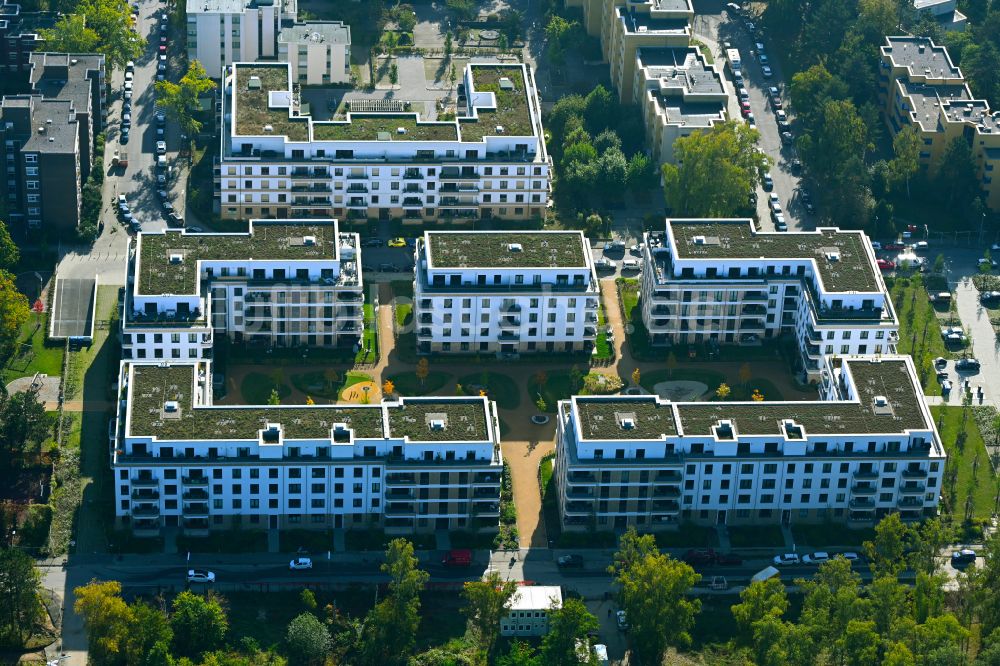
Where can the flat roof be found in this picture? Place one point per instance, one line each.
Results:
(852, 269)
(643, 22)
(61, 134)
(464, 419)
(284, 240)
(921, 57)
(263, 107)
(316, 32)
(482, 249)
(683, 68)
(889, 378)
(652, 418)
(536, 597)
(926, 100)
(225, 6)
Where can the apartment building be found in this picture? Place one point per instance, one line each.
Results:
(220, 32)
(945, 12)
(625, 26)
(679, 93)
(319, 52)
(20, 35)
(921, 87)
(867, 448)
(283, 283)
(415, 464)
(49, 137)
(506, 293)
(726, 282)
(490, 162)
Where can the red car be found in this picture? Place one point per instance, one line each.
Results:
(728, 560)
(886, 265)
(163, 48)
(700, 556)
(745, 108)
(893, 246)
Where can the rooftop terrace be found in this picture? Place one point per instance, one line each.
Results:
(841, 257)
(385, 127)
(494, 250)
(463, 419)
(158, 274)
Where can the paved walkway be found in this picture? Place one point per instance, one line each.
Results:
(985, 345)
(523, 457)
(613, 317)
(48, 389)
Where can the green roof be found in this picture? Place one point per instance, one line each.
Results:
(464, 419)
(851, 271)
(492, 250)
(888, 378)
(364, 127)
(157, 275)
(603, 418)
(253, 111)
(512, 105)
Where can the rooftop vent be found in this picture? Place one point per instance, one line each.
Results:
(626, 420)
(514, 247)
(253, 83)
(506, 83)
(176, 258)
(436, 424)
(268, 128)
(52, 139)
(881, 405)
(48, 121)
(308, 240)
(73, 61)
(920, 48)
(832, 255)
(724, 429)
(171, 406)
(699, 240)
(41, 129)
(499, 129)
(436, 420)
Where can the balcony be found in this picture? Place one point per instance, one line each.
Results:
(459, 187)
(140, 482)
(195, 494)
(314, 188)
(195, 510)
(862, 503)
(513, 307)
(195, 480)
(412, 202)
(399, 509)
(508, 322)
(357, 176)
(862, 490)
(579, 493)
(425, 333)
(413, 174)
(354, 188)
(915, 473)
(146, 511)
(486, 509)
(667, 477)
(400, 480)
(464, 174)
(912, 489)
(579, 507)
(357, 202)
(146, 495)
(669, 506)
(755, 296)
(508, 336)
(582, 477)
(399, 494)
(666, 491)
(411, 188)
(813, 350)
(484, 493)
(148, 527)
(868, 474)
(483, 478)
(910, 503)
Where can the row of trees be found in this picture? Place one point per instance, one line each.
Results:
(101, 26)
(597, 147)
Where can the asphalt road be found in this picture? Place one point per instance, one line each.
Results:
(719, 26)
(138, 180)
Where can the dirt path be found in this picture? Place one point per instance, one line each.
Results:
(523, 457)
(386, 333)
(624, 363)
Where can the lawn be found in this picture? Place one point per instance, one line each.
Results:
(314, 541)
(559, 385)
(376, 539)
(968, 476)
(638, 337)
(919, 330)
(688, 535)
(31, 354)
(256, 387)
(227, 541)
(605, 350)
(500, 388)
(825, 535)
(756, 536)
(407, 383)
(369, 338)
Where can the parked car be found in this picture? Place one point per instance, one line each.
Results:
(126, 119)
(766, 71)
(818, 557)
(988, 296)
(622, 620)
(963, 557)
(630, 264)
(300, 563)
(161, 147)
(745, 109)
(885, 264)
(946, 386)
(728, 560)
(787, 138)
(200, 576)
(786, 559)
(967, 364)
(605, 264)
(570, 561)
(122, 202)
(940, 362)
(763, 59)
(743, 95)
(175, 220)
(768, 182)
(699, 556)
(850, 556)
(751, 121)
(779, 222)
(397, 242)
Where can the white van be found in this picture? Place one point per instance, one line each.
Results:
(630, 264)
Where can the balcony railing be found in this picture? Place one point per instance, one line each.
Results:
(195, 480)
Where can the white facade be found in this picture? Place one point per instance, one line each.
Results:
(489, 163)
(868, 448)
(723, 281)
(220, 32)
(480, 292)
(529, 610)
(414, 464)
(319, 52)
(309, 294)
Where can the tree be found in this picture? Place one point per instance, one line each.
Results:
(636, 376)
(654, 594)
(632, 547)
(23, 421)
(487, 603)
(811, 89)
(70, 34)
(745, 374)
(906, 147)
(722, 393)
(600, 110)
(388, 388)
(307, 639)
(274, 398)
(181, 99)
(9, 252)
(886, 550)
(147, 640)
(714, 171)
(757, 396)
(199, 623)
(110, 19)
(511, 21)
(452, 75)
(959, 179)
(464, 9)
(567, 627)
(642, 174)
(390, 628)
(423, 370)
(14, 310)
(106, 617)
(560, 35)
(928, 540)
(759, 600)
(393, 74)
(447, 45)
(522, 654)
(21, 607)
(406, 19)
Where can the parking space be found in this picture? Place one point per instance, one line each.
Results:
(73, 308)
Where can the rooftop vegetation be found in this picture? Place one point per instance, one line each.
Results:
(492, 250)
(602, 419)
(511, 111)
(368, 127)
(253, 110)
